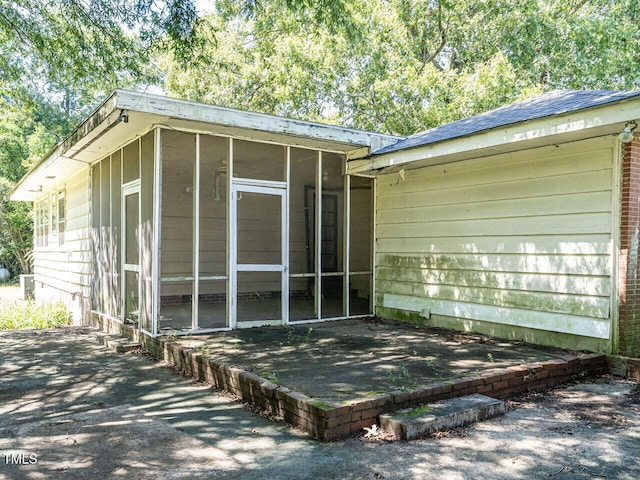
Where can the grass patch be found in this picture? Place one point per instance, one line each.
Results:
(416, 412)
(376, 392)
(323, 405)
(28, 315)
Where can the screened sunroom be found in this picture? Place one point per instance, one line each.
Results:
(200, 232)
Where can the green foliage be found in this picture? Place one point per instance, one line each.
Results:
(402, 380)
(78, 41)
(26, 134)
(27, 315)
(323, 405)
(416, 412)
(401, 66)
(16, 231)
(272, 377)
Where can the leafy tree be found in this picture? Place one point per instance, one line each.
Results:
(57, 58)
(25, 136)
(16, 225)
(400, 66)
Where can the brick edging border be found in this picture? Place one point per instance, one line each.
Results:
(330, 420)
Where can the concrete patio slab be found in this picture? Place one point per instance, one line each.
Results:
(336, 378)
(349, 359)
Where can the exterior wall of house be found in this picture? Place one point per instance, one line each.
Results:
(62, 255)
(629, 277)
(515, 245)
(122, 232)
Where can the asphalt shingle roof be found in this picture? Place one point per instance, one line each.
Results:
(547, 104)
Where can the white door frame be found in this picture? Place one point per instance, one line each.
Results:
(239, 186)
(130, 188)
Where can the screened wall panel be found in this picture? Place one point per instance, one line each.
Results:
(106, 251)
(214, 158)
(302, 267)
(260, 161)
(213, 215)
(97, 268)
(116, 236)
(147, 172)
(131, 162)
(331, 235)
(360, 245)
(116, 240)
(178, 152)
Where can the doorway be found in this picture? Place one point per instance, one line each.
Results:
(259, 254)
(131, 250)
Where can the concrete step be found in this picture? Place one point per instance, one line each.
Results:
(117, 343)
(412, 423)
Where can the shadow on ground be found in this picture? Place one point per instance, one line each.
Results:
(349, 359)
(87, 413)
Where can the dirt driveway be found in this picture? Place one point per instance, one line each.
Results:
(83, 412)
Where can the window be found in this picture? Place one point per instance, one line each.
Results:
(61, 216)
(50, 219)
(54, 214)
(42, 223)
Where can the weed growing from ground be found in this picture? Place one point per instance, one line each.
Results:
(272, 377)
(307, 337)
(402, 381)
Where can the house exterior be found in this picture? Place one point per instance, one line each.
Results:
(180, 217)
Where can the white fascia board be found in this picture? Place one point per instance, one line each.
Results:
(103, 116)
(61, 161)
(31, 186)
(77, 149)
(187, 110)
(579, 125)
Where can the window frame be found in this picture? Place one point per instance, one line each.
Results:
(61, 206)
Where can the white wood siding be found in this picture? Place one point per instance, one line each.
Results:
(67, 267)
(517, 239)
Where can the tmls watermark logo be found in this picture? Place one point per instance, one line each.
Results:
(19, 458)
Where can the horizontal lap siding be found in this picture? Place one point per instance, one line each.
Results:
(519, 239)
(67, 267)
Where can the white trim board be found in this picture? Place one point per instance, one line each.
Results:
(554, 322)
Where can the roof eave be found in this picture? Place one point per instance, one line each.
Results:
(80, 147)
(577, 125)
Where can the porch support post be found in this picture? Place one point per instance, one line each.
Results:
(318, 237)
(346, 228)
(231, 243)
(195, 304)
(157, 208)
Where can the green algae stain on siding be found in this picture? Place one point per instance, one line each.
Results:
(448, 278)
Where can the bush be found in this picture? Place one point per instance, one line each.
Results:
(28, 315)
